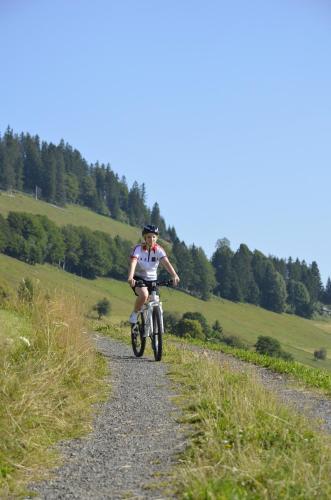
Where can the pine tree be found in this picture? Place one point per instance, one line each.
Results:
(316, 287)
(185, 265)
(327, 293)
(32, 163)
(273, 290)
(7, 171)
(60, 178)
(113, 194)
(241, 264)
(203, 277)
(298, 297)
(224, 274)
(48, 182)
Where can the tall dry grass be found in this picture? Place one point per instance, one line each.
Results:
(48, 384)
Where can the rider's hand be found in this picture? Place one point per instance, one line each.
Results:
(131, 282)
(175, 280)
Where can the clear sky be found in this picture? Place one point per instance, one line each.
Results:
(222, 108)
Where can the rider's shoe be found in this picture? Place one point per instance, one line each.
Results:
(133, 318)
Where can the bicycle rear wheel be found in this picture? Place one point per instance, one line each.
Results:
(157, 334)
(138, 340)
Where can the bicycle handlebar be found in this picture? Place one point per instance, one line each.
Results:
(140, 283)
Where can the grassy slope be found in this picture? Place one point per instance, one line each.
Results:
(72, 214)
(297, 335)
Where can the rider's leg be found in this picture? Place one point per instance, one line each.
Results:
(142, 298)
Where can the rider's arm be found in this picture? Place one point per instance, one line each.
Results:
(165, 262)
(132, 268)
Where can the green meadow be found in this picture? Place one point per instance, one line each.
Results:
(71, 214)
(297, 335)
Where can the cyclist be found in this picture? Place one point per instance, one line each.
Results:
(145, 260)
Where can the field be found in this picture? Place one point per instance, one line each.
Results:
(227, 456)
(72, 214)
(297, 335)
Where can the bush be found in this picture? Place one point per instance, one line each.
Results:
(268, 345)
(271, 347)
(170, 321)
(217, 328)
(320, 353)
(190, 328)
(233, 341)
(102, 307)
(287, 356)
(196, 316)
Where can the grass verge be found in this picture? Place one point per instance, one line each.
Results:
(49, 379)
(310, 377)
(243, 444)
(306, 375)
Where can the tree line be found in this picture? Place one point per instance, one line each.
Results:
(59, 174)
(79, 250)
(36, 239)
(280, 285)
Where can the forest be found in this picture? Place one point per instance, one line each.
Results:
(60, 175)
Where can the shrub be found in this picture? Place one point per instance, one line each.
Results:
(287, 356)
(268, 345)
(170, 321)
(233, 341)
(102, 307)
(320, 353)
(271, 347)
(217, 328)
(196, 316)
(190, 328)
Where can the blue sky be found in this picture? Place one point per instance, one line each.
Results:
(223, 109)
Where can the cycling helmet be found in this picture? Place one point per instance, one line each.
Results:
(150, 228)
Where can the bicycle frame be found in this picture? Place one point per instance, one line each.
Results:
(147, 310)
(150, 323)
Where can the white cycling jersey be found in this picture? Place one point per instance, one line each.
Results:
(148, 261)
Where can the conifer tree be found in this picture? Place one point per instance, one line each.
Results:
(203, 278)
(224, 274)
(273, 290)
(327, 293)
(185, 265)
(7, 172)
(32, 163)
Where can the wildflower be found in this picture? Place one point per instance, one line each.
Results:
(26, 341)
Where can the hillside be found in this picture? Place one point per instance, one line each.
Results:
(71, 214)
(298, 336)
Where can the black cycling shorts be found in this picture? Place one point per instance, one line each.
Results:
(148, 284)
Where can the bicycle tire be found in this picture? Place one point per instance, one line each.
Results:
(138, 340)
(157, 334)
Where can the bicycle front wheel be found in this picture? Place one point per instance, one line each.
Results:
(138, 339)
(157, 334)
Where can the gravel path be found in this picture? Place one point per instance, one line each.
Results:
(135, 436)
(311, 403)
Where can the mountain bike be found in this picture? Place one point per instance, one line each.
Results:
(149, 323)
